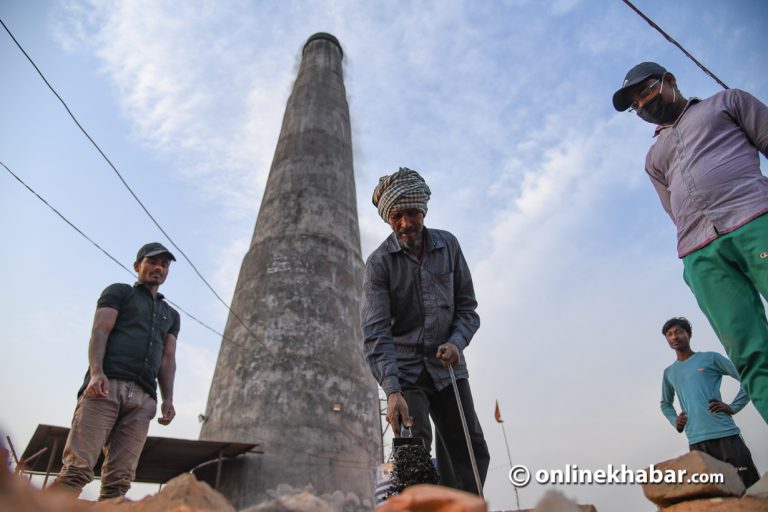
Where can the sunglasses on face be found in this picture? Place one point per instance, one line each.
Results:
(643, 96)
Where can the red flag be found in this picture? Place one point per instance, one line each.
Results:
(497, 413)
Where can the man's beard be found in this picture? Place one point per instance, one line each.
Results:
(412, 245)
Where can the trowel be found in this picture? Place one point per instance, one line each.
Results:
(406, 438)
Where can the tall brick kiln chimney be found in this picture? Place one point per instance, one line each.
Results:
(297, 383)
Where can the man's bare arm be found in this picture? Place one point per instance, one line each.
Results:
(103, 323)
(165, 378)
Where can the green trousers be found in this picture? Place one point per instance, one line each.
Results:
(727, 277)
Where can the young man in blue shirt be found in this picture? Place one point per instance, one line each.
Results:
(705, 418)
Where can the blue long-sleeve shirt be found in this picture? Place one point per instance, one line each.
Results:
(697, 380)
(410, 308)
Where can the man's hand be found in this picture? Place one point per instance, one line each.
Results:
(448, 353)
(98, 386)
(168, 412)
(716, 406)
(397, 412)
(682, 419)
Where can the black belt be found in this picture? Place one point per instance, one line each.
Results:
(409, 349)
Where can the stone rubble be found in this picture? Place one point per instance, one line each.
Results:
(555, 501)
(186, 494)
(744, 504)
(302, 502)
(183, 493)
(730, 496)
(760, 488)
(695, 462)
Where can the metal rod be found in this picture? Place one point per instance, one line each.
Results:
(30, 461)
(466, 432)
(13, 453)
(504, 430)
(218, 470)
(50, 461)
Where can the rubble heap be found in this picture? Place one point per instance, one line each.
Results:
(680, 495)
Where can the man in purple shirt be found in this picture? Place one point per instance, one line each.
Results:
(705, 167)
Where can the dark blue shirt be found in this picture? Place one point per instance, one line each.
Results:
(410, 308)
(136, 343)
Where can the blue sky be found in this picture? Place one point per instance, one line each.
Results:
(503, 106)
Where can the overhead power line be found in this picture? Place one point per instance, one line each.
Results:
(108, 255)
(120, 176)
(671, 40)
(345, 463)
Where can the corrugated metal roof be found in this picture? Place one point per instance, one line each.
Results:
(162, 458)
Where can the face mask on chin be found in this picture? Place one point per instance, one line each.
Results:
(658, 110)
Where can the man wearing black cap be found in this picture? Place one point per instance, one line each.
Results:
(132, 349)
(705, 167)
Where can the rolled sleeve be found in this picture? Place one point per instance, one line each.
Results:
(176, 326)
(466, 321)
(113, 296)
(378, 343)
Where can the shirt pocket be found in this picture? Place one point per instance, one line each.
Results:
(443, 290)
(164, 322)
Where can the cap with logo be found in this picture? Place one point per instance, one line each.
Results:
(637, 74)
(153, 249)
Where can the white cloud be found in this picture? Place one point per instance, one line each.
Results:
(200, 97)
(561, 7)
(505, 107)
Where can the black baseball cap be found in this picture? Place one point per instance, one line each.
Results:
(637, 74)
(153, 249)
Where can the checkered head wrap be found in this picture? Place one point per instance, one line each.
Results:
(400, 191)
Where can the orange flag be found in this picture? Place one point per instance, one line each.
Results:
(497, 413)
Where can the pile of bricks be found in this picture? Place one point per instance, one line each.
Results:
(681, 495)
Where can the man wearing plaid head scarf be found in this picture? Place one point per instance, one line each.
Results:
(418, 316)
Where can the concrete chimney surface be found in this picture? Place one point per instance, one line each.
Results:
(297, 382)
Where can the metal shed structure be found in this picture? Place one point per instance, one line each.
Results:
(162, 458)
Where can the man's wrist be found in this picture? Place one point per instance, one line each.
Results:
(390, 385)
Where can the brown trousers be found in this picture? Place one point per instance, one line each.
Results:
(117, 425)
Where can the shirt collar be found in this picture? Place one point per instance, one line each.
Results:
(432, 242)
(145, 288)
(661, 127)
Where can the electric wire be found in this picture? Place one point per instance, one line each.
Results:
(332, 459)
(106, 253)
(344, 463)
(125, 183)
(671, 40)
